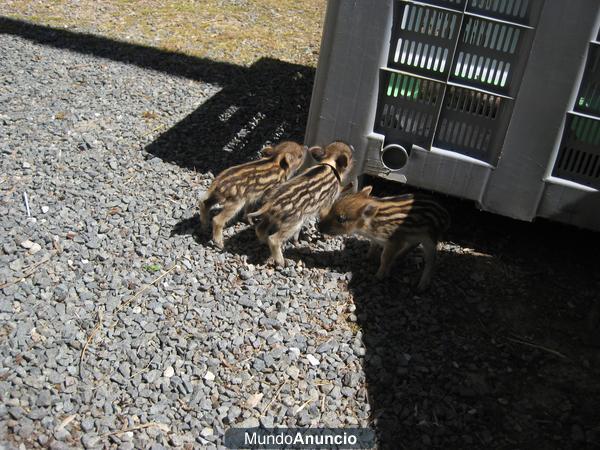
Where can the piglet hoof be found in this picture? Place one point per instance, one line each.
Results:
(218, 243)
(275, 262)
(302, 235)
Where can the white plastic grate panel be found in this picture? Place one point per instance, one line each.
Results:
(423, 39)
(472, 122)
(488, 54)
(407, 110)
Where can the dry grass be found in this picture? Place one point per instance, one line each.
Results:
(237, 31)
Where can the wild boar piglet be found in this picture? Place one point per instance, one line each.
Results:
(311, 193)
(244, 185)
(398, 224)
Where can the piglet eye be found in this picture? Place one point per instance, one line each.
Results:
(342, 219)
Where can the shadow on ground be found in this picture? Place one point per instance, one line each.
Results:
(496, 354)
(265, 102)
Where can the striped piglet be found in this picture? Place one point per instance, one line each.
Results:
(243, 186)
(309, 194)
(398, 224)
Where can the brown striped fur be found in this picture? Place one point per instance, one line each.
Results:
(242, 186)
(309, 194)
(398, 224)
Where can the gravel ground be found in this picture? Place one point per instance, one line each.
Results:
(120, 327)
(238, 31)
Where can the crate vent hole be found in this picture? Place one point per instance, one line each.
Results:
(394, 157)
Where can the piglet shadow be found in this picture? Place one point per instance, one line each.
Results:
(188, 227)
(352, 258)
(239, 238)
(244, 242)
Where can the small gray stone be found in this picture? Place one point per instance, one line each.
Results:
(35, 248)
(244, 300)
(87, 424)
(234, 412)
(251, 422)
(245, 275)
(93, 243)
(62, 434)
(209, 376)
(312, 360)
(351, 379)
(293, 372)
(26, 430)
(151, 376)
(44, 398)
(267, 421)
(27, 244)
(90, 441)
(176, 440)
(324, 347)
(259, 365)
(16, 412)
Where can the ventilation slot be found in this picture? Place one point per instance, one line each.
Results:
(407, 111)
(579, 156)
(429, 21)
(423, 56)
(482, 70)
(518, 11)
(472, 122)
(423, 39)
(464, 135)
(495, 36)
(472, 102)
(407, 120)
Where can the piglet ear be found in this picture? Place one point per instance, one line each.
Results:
(318, 153)
(366, 191)
(369, 210)
(341, 163)
(284, 161)
(268, 151)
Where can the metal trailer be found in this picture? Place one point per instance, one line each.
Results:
(497, 101)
